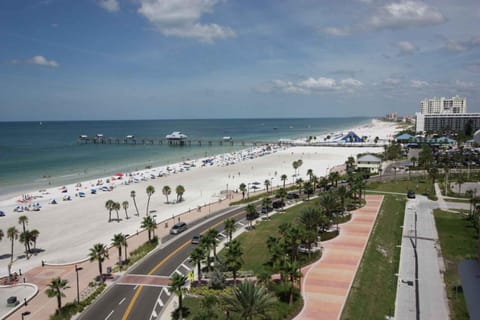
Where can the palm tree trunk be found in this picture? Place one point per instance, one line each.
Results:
(136, 208)
(109, 215)
(148, 204)
(199, 269)
(126, 254)
(59, 301)
(180, 305)
(118, 217)
(11, 257)
(126, 214)
(100, 269)
(120, 255)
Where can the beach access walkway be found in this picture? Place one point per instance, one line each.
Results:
(40, 306)
(327, 282)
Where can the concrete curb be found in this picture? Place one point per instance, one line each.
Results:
(20, 305)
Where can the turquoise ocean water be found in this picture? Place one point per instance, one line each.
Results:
(36, 155)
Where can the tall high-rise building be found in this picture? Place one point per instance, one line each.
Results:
(443, 105)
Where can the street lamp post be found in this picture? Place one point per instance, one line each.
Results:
(78, 288)
(25, 313)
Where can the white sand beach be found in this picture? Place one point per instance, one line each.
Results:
(69, 228)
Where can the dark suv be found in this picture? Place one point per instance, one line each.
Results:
(411, 195)
(178, 228)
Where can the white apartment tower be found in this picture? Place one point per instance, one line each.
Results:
(444, 105)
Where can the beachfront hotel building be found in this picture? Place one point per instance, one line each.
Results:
(438, 114)
(443, 105)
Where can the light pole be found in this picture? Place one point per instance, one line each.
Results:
(78, 288)
(25, 313)
(126, 246)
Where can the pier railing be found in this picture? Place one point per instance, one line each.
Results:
(221, 142)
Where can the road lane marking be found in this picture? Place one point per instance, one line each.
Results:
(109, 315)
(121, 301)
(174, 252)
(135, 288)
(183, 265)
(179, 273)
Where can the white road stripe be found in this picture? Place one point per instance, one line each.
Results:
(183, 265)
(109, 315)
(135, 288)
(121, 301)
(179, 272)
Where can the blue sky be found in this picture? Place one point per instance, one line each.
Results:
(142, 59)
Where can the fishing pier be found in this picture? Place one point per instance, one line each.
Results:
(100, 139)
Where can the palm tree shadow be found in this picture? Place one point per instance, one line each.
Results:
(5, 256)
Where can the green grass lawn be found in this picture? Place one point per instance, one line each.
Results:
(420, 185)
(458, 240)
(373, 292)
(254, 242)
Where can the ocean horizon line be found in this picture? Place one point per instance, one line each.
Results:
(191, 119)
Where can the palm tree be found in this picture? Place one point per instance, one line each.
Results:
(33, 238)
(55, 289)
(350, 163)
(329, 203)
(118, 240)
(98, 252)
(310, 174)
(342, 194)
(23, 220)
(290, 269)
(252, 214)
(196, 257)
(282, 194)
(125, 246)
(150, 190)
(283, 178)
(149, 224)
(308, 189)
(229, 225)
(133, 194)
(295, 166)
(125, 207)
(310, 218)
(299, 183)
(249, 300)
(267, 184)
(109, 206)
(243, 189)
(212, 235)
(266, 203)
(177, 286)
(180, 190)
(1, 234)
(12, 234)
(233, 258)
(206, 246)
(166, 191)
(116, 207)
(25, 238)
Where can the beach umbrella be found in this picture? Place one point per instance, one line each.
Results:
(119, 174)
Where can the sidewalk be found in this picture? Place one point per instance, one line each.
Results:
(327, 282)
(41, 307)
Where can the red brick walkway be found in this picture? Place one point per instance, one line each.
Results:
(327, 283)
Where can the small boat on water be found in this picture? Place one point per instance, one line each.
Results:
(227, 138)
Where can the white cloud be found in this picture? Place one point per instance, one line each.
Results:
(461, 46)
(405, 14)
(42, 61)
(339, 32)
(314, 85)
(109, 5)
(181, 18)
(419, 84)
(391, 82)
(464, 85)
(406, 47)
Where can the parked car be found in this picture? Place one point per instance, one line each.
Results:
(2, 214)
(292, 195)
(411, 195)
(266, 209)
(278, 204)
(196, 239)
(178, 228)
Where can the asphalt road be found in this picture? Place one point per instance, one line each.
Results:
(140, 300)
